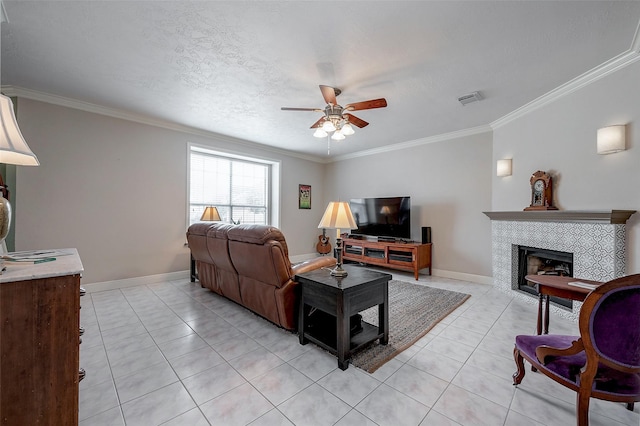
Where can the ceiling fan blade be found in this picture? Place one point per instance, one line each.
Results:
(301, 109)
(355, 120)
(329, 94)
(318, 123)
(374, 103)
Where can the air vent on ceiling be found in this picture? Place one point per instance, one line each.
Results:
(471, 97)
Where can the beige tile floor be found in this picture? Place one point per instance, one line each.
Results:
(176, 354)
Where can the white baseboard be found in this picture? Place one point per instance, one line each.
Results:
(132, 282)
(480, 279)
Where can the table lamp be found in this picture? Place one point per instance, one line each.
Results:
(338, 216)
(210, 214)
(13, 150)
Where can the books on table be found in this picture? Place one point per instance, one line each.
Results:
(34, 256)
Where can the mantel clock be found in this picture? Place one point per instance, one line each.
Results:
(541, 192)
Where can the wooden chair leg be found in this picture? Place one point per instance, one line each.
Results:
(518, 375)
(584, 393)
(583, 409)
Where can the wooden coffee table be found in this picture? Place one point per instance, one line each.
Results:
(553, 285)
(341, 298)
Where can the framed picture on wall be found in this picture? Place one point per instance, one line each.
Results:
(304, 196)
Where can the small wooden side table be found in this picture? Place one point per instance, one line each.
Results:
(554, 285)
(341, 298)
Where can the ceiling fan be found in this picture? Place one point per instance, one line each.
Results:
(337, 119)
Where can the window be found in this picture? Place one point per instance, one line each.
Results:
(239, 187)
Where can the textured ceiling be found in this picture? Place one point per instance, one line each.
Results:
(228, 67)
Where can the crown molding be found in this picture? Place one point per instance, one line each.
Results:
(601, 71)
(417, 142)
(143, 119)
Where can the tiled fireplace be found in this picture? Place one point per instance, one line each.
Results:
(596, 240)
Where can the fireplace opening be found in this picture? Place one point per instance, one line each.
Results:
(536, 261)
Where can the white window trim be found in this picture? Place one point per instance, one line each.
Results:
(275, 178)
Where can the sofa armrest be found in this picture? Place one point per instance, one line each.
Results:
(313, 264)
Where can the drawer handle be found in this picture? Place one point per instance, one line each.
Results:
(82, 291)
(81, 374)
(81, 331)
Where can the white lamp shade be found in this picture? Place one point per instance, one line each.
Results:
(503, 167)
(328, 126)
(13, 147)
(319, 133)
(210, 214)
(611, 139)
(337, 136)
(338, 216)
(347, 130)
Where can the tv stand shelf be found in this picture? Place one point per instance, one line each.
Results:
(405, 256)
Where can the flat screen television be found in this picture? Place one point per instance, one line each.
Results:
(382, 217)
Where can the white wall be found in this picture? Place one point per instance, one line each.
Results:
(560, 138)
(117, 191)
(450, 186)
(100, 190)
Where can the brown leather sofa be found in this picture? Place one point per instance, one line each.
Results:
(250, 265)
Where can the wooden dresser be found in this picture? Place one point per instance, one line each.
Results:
(39, 338)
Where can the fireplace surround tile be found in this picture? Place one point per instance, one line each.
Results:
(599, 252)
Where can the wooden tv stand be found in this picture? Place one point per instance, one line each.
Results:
(406, 256)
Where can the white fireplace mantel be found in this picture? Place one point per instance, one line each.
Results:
(597, 240)
(578, 216)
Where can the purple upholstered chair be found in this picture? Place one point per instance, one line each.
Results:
(604, 361)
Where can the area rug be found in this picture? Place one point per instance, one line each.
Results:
(413, 311)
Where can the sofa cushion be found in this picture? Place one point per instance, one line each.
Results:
(226, 274)
(257, 234)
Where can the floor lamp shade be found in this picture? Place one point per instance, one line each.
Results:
(210, 214)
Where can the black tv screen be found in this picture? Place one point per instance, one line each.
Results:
(382, 217)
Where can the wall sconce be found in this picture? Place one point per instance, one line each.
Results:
(611, 139)
(503, 167)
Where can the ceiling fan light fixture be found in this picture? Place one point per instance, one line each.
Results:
(328, 126)
(347, 129)
(319, 133)
(337, 122)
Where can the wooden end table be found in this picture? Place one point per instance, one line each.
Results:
(554, 285)
(341, 298)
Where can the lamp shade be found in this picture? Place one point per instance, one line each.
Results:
(611, 139)
(328, 126)
(337, 136)
(347, 130)
(210, 214)
(13, 147)
(338, 216)
(319, 133)
(503, 167)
